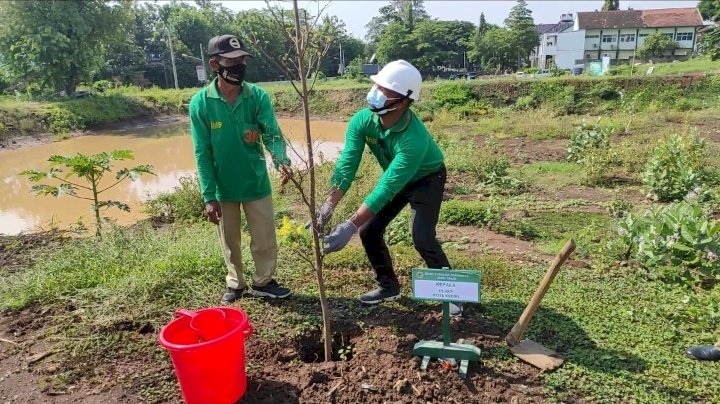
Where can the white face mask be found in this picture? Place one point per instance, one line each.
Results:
(376, 102)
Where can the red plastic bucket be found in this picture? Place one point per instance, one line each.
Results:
(207, 348)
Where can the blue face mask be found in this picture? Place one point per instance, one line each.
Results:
(376, 102)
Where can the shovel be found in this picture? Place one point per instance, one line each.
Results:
(530, 351)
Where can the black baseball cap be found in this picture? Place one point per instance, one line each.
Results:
(227, 46)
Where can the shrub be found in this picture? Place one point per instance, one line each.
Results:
(184, 203)
(526, 102)
(678, 243)
(450, 95)
(619, 208)
(488, 165)
(631, 155)
(590, 147)
(587, 137)
(475, 213)
(102, 85)
(677, 166)
(604, 91)
(399, 231)
(63, 121)
(596, 164)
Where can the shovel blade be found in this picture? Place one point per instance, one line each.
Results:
(537, 355)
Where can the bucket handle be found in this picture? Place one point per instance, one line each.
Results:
(185, 313)
(249, 330)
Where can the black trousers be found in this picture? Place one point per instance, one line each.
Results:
(424, 196)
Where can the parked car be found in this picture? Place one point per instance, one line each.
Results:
(471, 76)
(453, 77)
(542, 73)
(520, 75)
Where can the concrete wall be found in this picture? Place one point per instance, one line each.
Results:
(569, 48)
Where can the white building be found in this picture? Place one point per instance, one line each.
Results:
(617, 34)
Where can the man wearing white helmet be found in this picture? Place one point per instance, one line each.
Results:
(414, 173)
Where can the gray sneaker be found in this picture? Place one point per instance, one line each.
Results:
(456, 309)
(272, 290)
(231, 295)
(380, 295)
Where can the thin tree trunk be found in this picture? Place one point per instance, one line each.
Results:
(299, 46)
(96, 208)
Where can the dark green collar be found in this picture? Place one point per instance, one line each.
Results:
(212, 90)
(400, 126)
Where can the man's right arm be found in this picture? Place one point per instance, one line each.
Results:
(203, 153)
(349, 160)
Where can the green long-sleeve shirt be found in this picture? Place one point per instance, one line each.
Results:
(229, 139)
(406, 152)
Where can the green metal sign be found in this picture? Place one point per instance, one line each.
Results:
(446, 285)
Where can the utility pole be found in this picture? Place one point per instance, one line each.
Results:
(202, 57)
(341, 68)
(172, 56)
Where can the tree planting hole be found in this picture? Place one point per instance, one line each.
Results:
(311, 349)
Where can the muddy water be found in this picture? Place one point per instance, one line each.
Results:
(168, 147)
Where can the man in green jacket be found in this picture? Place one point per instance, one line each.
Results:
(230, 121)
(414, 173)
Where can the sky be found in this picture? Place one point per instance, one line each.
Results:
(356, 14)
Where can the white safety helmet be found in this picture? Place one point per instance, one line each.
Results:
(401, 77)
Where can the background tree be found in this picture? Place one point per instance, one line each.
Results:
(407, 12)
(710, 9)
(441, 43)
(494, 50)
(482, 24)
(656, 45)
(57, 44)
(524, 37)
(710, 43)
(611, 5)
(396, 42)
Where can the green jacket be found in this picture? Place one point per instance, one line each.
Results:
(406, 152)
(229, 141)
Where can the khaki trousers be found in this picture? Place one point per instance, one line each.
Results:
(263, 243)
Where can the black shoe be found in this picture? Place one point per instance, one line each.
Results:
(704, 352)
(380, 295)
(231, 295)
(272, 290)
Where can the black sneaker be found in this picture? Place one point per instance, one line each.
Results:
(704, 352)
(272, 290)
(380, 295)
(231, 295)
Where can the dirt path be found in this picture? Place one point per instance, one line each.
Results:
(28, 357)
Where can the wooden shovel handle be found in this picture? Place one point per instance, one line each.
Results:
(519, 328)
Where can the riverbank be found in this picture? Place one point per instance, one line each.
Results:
(338, 100)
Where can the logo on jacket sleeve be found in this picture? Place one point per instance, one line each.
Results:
(215, 125)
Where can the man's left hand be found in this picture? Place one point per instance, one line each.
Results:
(339, 237)
(286, 174)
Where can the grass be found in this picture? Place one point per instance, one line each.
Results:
(551, 174)
(664, 69)
(617, 346)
